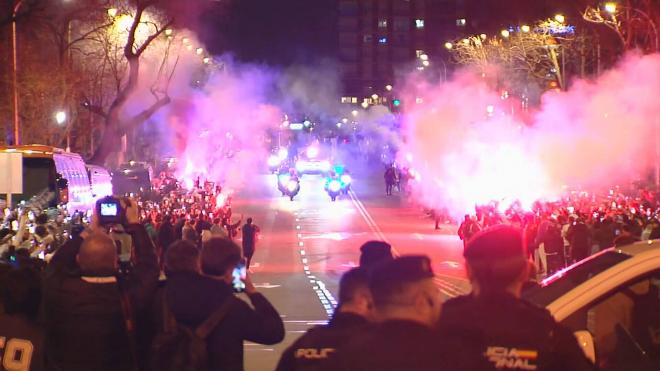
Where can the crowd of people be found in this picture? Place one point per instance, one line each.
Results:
(79, 295)
(560, 233)
(157, 291)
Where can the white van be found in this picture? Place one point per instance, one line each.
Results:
(44, 167)
(100, 180)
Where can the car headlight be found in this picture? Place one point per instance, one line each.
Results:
(274, 160)
(282, 153)
(312, 152)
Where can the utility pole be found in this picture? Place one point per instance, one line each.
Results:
(17, 132)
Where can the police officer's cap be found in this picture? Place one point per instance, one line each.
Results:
(496, 256)
(402, 270)
(375, 252)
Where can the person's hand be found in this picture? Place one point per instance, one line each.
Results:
(249, 286)
(131, 207)
(93, 227)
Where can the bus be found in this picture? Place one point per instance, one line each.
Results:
(53, 170)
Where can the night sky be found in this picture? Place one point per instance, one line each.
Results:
(273, 32)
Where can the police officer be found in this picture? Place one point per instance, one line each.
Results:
(375, 252)
(407, 306)
(318, 345)
(496, 328)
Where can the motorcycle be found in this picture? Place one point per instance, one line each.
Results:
(334, 188)
(288, 185)
(292, 188)
(345, 181)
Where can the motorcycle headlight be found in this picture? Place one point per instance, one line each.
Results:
(346, 179)
(292, 185)
(284, 179)
(334, 186)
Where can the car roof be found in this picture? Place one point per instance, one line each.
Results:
(650, 246)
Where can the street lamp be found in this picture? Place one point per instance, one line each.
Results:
(388, 87)
(610, 7)
(525, 28)
(60, 118)
(449, 45)
(505, 33)
(424, 57)
(560, 18)
(112, 12)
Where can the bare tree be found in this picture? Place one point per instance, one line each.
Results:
(635, 22)
(529, 57)
(121, 57)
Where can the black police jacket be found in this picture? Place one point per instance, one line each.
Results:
(502, 332)
(319, 344)
(393, 345)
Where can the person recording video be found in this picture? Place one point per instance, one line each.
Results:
(89, 307)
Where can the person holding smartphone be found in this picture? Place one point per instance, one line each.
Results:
(195, 293)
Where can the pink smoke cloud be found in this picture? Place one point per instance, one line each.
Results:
(469, 149)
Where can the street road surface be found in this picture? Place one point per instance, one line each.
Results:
(307, 244)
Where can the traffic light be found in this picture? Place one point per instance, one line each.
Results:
(396, 102)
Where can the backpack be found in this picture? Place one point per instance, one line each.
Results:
(182, 348)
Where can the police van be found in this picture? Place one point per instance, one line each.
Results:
(53, 171)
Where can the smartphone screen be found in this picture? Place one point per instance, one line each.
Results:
(238, 275)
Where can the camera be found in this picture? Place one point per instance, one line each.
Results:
(109, 211)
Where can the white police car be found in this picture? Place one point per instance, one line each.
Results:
(611, 301)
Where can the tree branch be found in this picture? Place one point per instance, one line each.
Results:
(152, 37)
(143, 116)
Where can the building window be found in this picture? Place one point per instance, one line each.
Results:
(460, 22)
(353, 99)
(367, 39)
(346, 99)
(419, 24)
(382, 23)
(382, 40)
